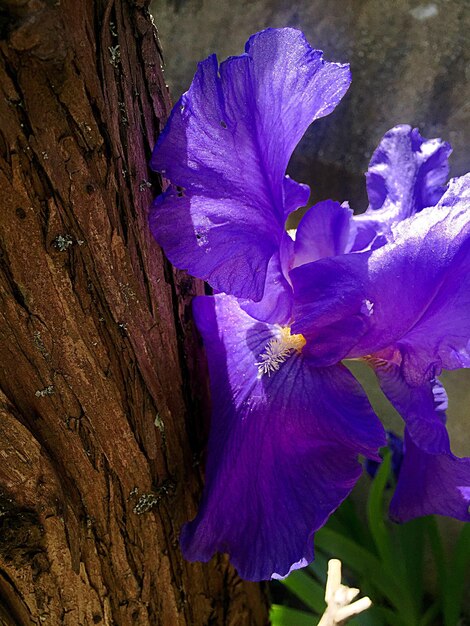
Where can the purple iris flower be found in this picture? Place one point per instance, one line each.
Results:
(391, 287)
(416, 323)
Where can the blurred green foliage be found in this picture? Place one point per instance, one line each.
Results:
(390, 563)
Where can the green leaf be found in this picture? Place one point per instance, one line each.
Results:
(319, 567)
(458, 569)
(375, 512)
(371, 617)
(285, 616)
(353, 525)
(392, 562)
(437, 550)
(389, 617)
(411, 538)
(307, 589)
(430, 614)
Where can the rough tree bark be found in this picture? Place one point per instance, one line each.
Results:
(99, 389)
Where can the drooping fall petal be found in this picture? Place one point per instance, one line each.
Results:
(283, 446)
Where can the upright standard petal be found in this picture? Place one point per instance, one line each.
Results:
(296, 195)
(323, 231)
(406, 174)
(283, 446)
(227, 145)
(418, 290)
(275, 306)
(330, 229)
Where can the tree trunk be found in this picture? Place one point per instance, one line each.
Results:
(101, 390)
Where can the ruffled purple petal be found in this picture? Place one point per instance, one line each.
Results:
(432, 480)
(366, 234)
(286, 253)
(220, 250)
(282, 451)
(296, 195)
(428, 276)
(324, 231)
(422, 407)
(331, 308)
(276, 304)
(406, 174)
(227, 145)
(294, 86)
(457, 191)
(413, 294)
(431, 484)
(295, 566)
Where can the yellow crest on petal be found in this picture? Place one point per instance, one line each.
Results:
(278, 350)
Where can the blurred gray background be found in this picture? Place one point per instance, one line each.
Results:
(410, 63)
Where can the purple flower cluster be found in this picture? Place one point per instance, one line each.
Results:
(390, 286)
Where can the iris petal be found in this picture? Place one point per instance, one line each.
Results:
(407, 173)
(329, 305)
(296, 195)
(324, 231)
(283, 448)
(417, 287)
(422, 407)
(227, 144)
(432, 480)
(205, 237)
(431, 484)
(276, 304)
